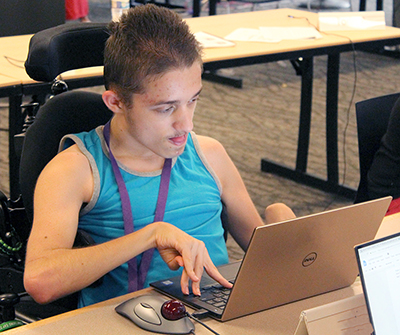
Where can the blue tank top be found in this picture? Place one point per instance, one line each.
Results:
(193, 205)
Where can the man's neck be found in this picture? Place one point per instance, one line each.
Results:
(126, 152)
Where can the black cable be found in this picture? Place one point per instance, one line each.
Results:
(13, 61)
(202, 323)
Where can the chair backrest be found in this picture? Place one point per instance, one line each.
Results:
(51, 52)
(372, 121)
(66, 47)
(67, 113)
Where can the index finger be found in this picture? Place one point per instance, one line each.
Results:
(213, 272)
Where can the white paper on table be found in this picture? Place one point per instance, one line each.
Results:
(291, 33)
(273, 34)
(211, 41)
(354, 22)
(364, 20)
(250, 35)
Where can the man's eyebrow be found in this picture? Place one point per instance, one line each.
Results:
(171, 102)
(198, 93)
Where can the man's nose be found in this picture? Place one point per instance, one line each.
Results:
(184, 120)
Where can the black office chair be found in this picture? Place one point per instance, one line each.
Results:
(372, 121)
(52, 52)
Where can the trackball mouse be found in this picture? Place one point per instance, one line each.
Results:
(145, 312)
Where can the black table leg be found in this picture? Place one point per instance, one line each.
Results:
(212, 7)
(307, 75)
(379, 5)
(299, 174)
(196, 8)
(305, 69)
(332, 88)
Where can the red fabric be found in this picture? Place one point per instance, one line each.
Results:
(394, 207)
(75, 9)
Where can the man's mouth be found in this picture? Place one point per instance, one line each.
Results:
(178, 140)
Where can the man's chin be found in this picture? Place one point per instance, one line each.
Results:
(175, 152)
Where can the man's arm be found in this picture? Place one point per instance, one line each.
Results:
(54, 269)
(243, 217)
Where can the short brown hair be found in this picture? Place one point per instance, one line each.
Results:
(146, 42)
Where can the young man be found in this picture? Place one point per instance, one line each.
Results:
(153, 80)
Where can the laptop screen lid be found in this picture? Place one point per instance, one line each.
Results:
(295, 259)
(379, 266)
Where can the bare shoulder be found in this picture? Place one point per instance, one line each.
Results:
(210, 146)
(70, 170)
(73, 156)
(215, 154)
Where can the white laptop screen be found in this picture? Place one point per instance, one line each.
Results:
(379, 264)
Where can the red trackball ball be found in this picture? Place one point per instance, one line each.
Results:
(173, 310)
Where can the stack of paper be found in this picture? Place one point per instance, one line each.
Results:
(273, 34)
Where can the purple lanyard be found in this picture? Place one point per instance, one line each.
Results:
(137, 276)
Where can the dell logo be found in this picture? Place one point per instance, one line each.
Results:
(309, 259)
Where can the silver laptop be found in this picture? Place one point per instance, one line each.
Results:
(288, 261)
(379, 266)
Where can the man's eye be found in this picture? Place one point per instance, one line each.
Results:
(169, 109)
(194, 100)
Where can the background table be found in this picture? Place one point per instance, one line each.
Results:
(300, 52)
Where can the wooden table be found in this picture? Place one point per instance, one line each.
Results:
(102, 319)
(299, 52)
(6, 81)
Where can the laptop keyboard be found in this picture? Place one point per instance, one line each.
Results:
(213, 298)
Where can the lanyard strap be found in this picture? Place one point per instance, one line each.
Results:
(137, 276)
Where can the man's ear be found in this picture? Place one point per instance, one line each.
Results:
(112, 101)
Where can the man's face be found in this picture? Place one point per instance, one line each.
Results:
(161, 118)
